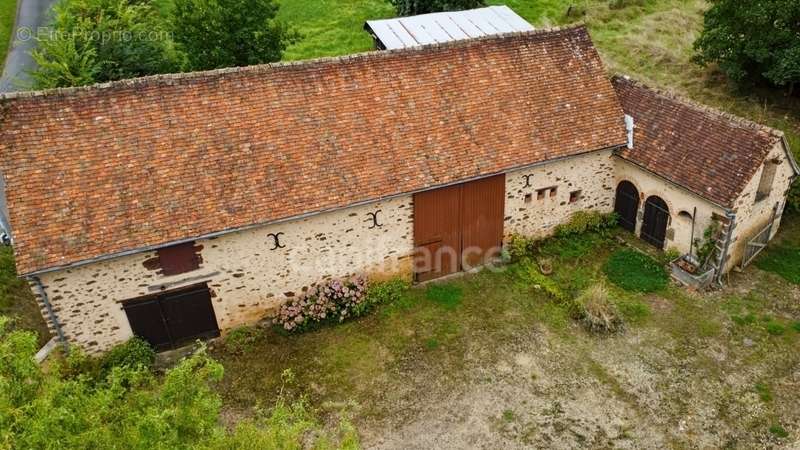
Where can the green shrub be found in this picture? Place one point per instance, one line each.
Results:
(796, 326)
(445, 294)
(635, 271)
(520, 247)
(240, 340)
(133, 408)
(330, 301)
(136, 353)
(382, 292)
(572, 246)
(596, 311)
(583, 221)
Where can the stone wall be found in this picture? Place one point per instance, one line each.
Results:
(679, 230)
(753, 216)
(532, 209)
(247, 275)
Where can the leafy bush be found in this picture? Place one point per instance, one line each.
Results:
(131, 407)
(635, 271)
(382, 292)
(241, 339)
(583, 221)
(136, 353)
(334, 300)
(445, 294)
(520, 247)
(414, 7)
(102, 40)
(596, 311)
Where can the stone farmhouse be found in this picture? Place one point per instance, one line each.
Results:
(178, 206)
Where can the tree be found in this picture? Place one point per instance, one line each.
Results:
(229, 33)
(753, 41)
(414, 7)
(102, 40)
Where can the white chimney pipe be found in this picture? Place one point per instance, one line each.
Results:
(629, 129)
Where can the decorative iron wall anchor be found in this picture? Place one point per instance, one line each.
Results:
(276, 244)
(373, 216)
(527, 180)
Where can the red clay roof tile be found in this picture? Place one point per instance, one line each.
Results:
(112, 168)
(706, 151)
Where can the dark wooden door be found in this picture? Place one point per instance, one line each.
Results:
(626, 205)
(454, 218)
(483, 208)
(437, 232)
(147, 322)
(656, 220)
(170, 319)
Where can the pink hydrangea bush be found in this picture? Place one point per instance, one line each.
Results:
(334, 300)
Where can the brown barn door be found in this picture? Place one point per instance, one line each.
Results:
(458, 226)
(482, 211)
(626, 205)
(437, 232)
(656, 219)
(170, 319)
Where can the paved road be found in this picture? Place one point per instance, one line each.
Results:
(31, 15)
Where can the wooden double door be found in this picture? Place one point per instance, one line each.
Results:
(170, 319)
(458, 227)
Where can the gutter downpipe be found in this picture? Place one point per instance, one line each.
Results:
(50, 312)
(725, 248)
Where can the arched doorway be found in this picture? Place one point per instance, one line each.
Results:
(656, 219)
(626, 205)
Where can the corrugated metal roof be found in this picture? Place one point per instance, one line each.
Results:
(404, 32)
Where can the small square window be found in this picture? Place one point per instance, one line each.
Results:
(574, 196)
(540, 194)
(528, 198)
(553, 191)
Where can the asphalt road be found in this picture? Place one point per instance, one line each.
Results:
(32, 15)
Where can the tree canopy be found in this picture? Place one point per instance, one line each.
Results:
(753, 41)
(229, 33)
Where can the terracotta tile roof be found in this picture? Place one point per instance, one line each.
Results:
(131, 165)
(706, 151)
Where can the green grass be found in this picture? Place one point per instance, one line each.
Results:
(8, 12)
(782, 260)
(635, 272)
(331, 27)
(448, 295)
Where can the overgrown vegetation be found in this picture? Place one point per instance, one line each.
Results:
(129, 406)
(635, 271)
(16, 298)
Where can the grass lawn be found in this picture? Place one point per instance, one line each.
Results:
(8, 12)
(489, 360)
